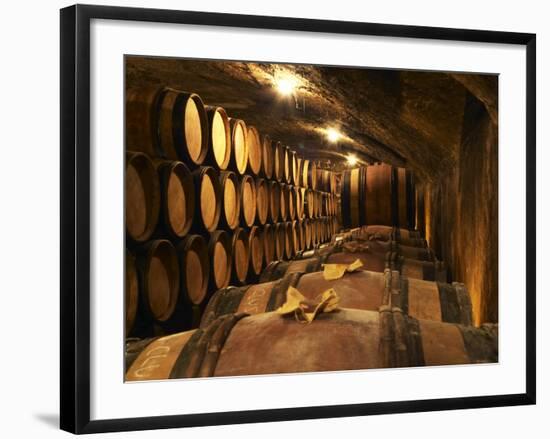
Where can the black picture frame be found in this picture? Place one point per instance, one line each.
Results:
(75, 217)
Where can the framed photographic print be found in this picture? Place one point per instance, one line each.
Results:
(338, 214)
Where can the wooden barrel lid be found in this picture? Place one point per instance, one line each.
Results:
(178, 197)
(280, 241)
(219, 251)
(292, 207)
(278, 162)
(307, 228)
(195, 129)
(248, 200)
(310, 203)
(208, 197)
(269, 243)
(256, 248)
(239, 145)
(194, 268)
(274, 201)
(287, 177)
(294, 168)
(254, 151)
(284, 200)
(299, 195)
(131, 288)
(296, 243)
(289, 241)
(220, 137)
(262, 200)
(267, 156)
(241, 256)
(161, 279)
(142, 196)
(231, 203)
(312, 175)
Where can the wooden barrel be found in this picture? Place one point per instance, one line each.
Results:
(309, 202)
(299, 171)
(262, 201)
(142, 107)
(299, 197)
(194, 268)
(284, 201)
(289, 240)
(358, 340)
(296, 241)
(309, 174)
(278, 161)
(208, 199)
(142, 197)
(254, 146)
(157, 262)
(365, 290)
(256, 250)
(182, 127)
(418, 253)
(295, 179)
(378, 194)
(239, 146)
(267, 157)
(425, 270)
(291, 202)
(231, 200)
(131, 292)
(308, 232)
(177, 197)
(248, 200)
(219, 145)
(287, 158)
(280, 239)
(411, 238)
(274, 201)
(241, 255)
(318, 204)
(220, 255)
(268, 238)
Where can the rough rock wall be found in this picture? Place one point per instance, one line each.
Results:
(461, 212)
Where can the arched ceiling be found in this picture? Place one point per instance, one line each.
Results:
(407, 118)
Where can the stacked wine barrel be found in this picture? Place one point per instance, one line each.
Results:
(386, 318)
(210, 202)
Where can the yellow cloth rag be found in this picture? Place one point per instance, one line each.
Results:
(336, 271)
(305, 310)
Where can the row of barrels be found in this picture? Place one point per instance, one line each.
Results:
(378, 194)
(168, 284)
(204, 200)
(172, 124)
(386, 318)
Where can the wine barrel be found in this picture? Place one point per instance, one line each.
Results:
(365, 290)
(177, 197)
(268, 238)
(239, 146)
(267, 157)
(432, 271)
(278, 161)
(358, 340)
(142, 197)
(241, 256)
(262, 201)
(289, 240)
(182, 127)
(299, 201)
(248, 200)
(220, 255)
(256, 249)
(309, 202)
(274, 201)
(287, 158)
(418, 253)
(308, 232)
(291, 203)
(157, 263)
(302, 235)
(299, 171)
(194, 268)
(231, 203)
(296, 242)
(219, 145)
(309, 174)
(131, 292)
(295, 180)
(411, 238)
(378, 194)
(280, 239)
(284, 201)
(208, 195)
(318, 204)
(254, 146)
(142, 107)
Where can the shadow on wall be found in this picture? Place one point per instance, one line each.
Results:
(461, 212)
